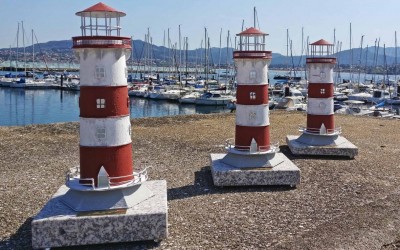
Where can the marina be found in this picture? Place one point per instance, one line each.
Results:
(24, 106)
(119, 143)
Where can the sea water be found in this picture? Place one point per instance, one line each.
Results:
(20, 107)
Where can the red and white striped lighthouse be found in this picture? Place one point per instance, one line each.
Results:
(321, 136)
(105, 129)
(320, 112)
(252, 148)
(252, 111)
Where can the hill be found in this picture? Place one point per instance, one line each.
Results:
(161, 56)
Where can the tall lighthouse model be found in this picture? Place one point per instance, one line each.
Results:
(104, 200)
(321, 136)
(251, 159)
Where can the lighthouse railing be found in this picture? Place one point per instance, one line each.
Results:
(73, 180)
(319, 131)
(271, 148)
(100, 41)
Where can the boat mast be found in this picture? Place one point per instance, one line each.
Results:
(23, 44)
(220, 50)
(132, 50)
(186, 57)
(9, 58)
(33, 54)
(359, 67)
(366, 63)
(386, 76)
(205, 58)
(164, 52)
(395, 57)
(254, 16)
(16, 62)
(180, 52)
(351, 59)
(227, 64)
(287, 50)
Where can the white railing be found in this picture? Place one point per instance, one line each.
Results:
(133, 179)
(334, 131)
(272, 148)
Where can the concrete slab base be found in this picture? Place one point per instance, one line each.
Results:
(340, 147)
(283, 173)
(58, 225)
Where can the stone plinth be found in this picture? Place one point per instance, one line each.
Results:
(58, 225)
(282, 171)
(339, 147)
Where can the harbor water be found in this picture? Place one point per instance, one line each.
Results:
(20, 107)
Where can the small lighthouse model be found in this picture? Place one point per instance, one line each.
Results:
(105, 128)
(105, 183)
(321, 136)
(251, 159)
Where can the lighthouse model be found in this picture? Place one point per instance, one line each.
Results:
(321, 136)
(105, 183)
(251, 159)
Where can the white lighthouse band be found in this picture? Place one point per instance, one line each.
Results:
(320, 106)
(320, 72)
(252, 115)
(252, 71)
(103, 66)
(105, 132)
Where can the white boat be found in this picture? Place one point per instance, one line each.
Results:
(393, 101)
(338, 96)
(379, 95)
(6, 82)
(33, 84)
(354, 107)
(139, 90)
(170, 94)
(291, 103)
(363, 96)
(214, 99)
(189, 98)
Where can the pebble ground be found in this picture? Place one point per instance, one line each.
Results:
(339, 204)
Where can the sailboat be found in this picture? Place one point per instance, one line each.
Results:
(288, 77)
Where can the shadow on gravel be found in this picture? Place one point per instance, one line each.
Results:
(22, 239)
(203, 185)
(286, 151)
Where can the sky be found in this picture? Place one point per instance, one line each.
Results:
(54, 20)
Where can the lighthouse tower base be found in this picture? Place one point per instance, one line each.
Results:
(307, 144)
(145, 218)
(251, 170)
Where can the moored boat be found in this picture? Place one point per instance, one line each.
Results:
(214, 99)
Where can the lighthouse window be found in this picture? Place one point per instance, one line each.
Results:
(100, 72)
(252, 116)
(252, 95)
(253, 74)
(101, 133)
(101, 103)
(322, 91)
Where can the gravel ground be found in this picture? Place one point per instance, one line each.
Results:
(339, 204)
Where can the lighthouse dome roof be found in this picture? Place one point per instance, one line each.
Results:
(321, 42)
(252, 32)
(100, 10)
